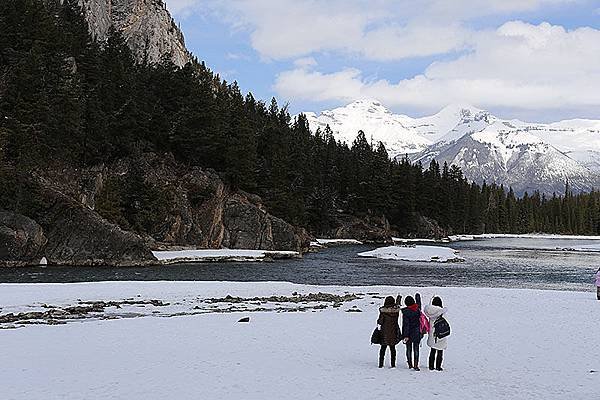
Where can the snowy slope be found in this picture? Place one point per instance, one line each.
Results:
(395, 131)
(526, 156)
(504, 154)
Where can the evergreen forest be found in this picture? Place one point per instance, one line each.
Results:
(66, 100)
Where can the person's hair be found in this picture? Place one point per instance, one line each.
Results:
(437, 301)
(409, 301)
(389, 302)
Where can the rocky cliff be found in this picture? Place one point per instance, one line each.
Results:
(21, 239)
(147, 26)
(200, 210)
(65, 232)
(115, 215)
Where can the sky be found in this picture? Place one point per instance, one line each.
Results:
(537, 60)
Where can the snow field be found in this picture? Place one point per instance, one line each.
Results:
(505, 344)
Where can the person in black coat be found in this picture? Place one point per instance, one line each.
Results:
(390, 331)
(411, 332)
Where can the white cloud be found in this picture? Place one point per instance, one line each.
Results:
(237, 56)
(373, 29)
(517, 66)
(305, 62)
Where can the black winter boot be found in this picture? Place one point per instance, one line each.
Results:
(431, 359)
(440, 357)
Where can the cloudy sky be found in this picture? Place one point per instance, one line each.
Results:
(531, 59)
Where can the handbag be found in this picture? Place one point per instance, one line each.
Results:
(376, 336)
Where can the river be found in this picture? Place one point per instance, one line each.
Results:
(512, 263)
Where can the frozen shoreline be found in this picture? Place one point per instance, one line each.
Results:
(324, 350)
(221, 255)
(453, 238)
(334, 242)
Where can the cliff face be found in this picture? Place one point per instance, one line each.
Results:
(70, 223)
(147, 26)
(201, 211)
(65, 232)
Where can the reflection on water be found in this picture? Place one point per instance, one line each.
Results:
(515, 263)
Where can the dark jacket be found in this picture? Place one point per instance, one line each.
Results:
(390, 331)
(411, 327)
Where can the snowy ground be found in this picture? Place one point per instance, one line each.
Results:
(410, 240)
(505, 344)
(414, 253)
(215, 255)
(334, 242)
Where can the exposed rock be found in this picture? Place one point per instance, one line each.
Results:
(146, 25)
(249, 226)
(204, 213)
(21, 239)
(77, 235)
(198, 211)
(366, 229)
(245, 319)
(302, 298)
(429, 228)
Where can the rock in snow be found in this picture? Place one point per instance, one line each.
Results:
(526, 156)
(414, 253)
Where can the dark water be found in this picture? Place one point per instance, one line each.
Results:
(516, 263)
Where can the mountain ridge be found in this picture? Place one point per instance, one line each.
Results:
(524, 155)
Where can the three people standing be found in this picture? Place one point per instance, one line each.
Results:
(412, 330)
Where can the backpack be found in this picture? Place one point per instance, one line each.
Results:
(441, 328)
(424, 324)
(376, 336)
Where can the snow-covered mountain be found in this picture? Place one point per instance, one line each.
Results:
(397, 132)
(526, 156)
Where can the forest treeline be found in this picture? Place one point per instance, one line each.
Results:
(67, 100)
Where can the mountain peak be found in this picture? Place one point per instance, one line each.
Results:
(460, 109)
(369, 105)
(519, 154)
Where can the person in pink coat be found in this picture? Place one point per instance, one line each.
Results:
(598, 284)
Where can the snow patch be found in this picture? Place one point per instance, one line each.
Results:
(336, 242)
(414, 253)
(215, 255)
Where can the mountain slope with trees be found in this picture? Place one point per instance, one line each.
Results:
(68, 103)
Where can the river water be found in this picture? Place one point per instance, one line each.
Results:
(512, 263)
